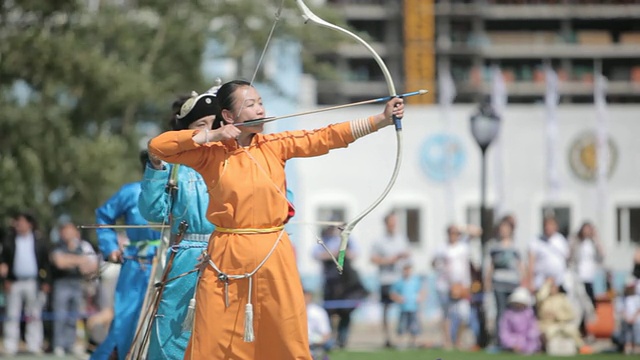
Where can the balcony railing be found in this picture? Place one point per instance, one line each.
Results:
(542, 11)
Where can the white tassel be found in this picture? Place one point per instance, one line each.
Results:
(248, 323)
(187, 324)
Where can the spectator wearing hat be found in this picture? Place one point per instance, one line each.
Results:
(519, 330)
(558, 317)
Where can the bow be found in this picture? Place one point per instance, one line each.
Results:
(308, 15)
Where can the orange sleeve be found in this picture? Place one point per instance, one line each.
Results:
(178, 147)
(309, 143)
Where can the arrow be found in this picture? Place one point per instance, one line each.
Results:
(364, 102)
(107, 226)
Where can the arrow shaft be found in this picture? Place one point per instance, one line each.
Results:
(106, 226)
(337, 107)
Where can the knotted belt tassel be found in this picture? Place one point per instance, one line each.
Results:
(187, 324)
(248, 315)
(249, 334)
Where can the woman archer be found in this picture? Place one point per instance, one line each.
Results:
(252, 266)
(171, 327)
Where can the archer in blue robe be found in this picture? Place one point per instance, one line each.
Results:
(168, 338)
(135, 270)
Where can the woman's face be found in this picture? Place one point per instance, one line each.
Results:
(202, 123)
(247, 105)
(505, 230)
(587, 231)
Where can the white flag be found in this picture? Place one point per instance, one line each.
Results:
(446, 95)
(447, 88)
(499, 98)
(602, 139)
(551, 104)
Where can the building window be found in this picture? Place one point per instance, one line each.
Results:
(628, 220)
(473, 218)
(562, 215)
(409, 223)
(331, 213)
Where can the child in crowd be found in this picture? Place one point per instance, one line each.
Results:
(409, 293)
(319, 327)
(557, 317)
(519, 330)
(630, 316)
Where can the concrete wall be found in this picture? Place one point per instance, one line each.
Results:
(352, 178)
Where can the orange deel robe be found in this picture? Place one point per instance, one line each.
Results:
(242, 196)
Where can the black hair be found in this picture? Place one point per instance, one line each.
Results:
(503, 220)
(174, 123)
(144, 158)
(225, 99)
(27, 215)
(582, 229)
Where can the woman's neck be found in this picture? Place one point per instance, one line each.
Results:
(244, 140)
(506, 240)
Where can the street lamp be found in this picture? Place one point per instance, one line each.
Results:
(484, 128)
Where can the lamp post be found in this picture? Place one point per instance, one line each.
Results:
(484, 128)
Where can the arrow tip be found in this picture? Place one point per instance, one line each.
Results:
(422, 91)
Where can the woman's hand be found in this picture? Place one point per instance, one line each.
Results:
(155, 162)
(225, 132)
(394, 107)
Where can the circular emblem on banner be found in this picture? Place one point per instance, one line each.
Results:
(442, 157)
(583, 156)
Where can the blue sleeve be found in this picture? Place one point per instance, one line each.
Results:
(290, 196)
(154, 199)
(107, 214)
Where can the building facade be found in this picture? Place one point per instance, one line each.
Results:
(576, 37)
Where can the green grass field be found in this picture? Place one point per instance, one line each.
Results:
(452, 355)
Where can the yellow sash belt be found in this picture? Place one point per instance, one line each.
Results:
(249, 230)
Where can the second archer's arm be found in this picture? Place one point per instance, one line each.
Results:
(154, 198)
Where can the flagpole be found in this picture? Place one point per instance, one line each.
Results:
(499, 99)
(602, 148)
(446, 95)
(551, 107)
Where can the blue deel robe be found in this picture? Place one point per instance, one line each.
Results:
(135, 271)
(168, 339)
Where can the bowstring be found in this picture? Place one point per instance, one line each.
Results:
(276, 20)
(278, 14)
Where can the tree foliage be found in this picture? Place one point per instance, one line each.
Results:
(73, 85)
(75, 82)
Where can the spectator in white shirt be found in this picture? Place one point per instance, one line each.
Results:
(456, 256)
(586, 257)
(319, 326)
(548, 256)
(387, 253)
(25, 260)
